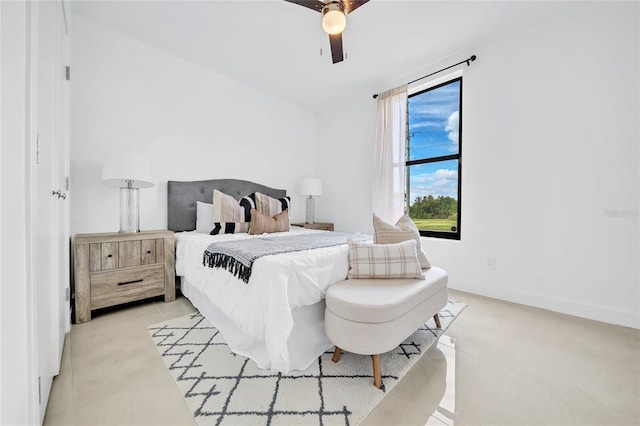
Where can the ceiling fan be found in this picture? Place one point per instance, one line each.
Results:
(334, 20)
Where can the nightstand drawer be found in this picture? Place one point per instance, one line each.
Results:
(125, 254)
(126, 285)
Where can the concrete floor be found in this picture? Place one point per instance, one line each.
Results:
(499, 364)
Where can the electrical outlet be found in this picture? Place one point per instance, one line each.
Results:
(490, 263)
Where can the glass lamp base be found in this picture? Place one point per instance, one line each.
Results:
(311, 210)
(129, 210)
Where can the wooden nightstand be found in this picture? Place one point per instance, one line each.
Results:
(321, 226)
(111, 269)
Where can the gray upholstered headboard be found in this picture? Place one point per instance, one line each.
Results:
(182, 197)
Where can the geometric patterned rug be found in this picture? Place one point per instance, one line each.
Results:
(221, 387)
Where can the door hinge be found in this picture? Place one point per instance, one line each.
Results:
(67, 72)
(67, 294)
(39, 391)
(66, 183)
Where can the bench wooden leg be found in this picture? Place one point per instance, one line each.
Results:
(336, 354)
(377, 375)
(437, 320)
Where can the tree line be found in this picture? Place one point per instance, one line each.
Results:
(430, 207)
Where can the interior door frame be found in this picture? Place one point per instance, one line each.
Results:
(64, 163)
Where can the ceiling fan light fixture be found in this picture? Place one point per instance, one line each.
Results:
(334, 19)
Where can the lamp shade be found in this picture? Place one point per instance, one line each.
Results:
(121, 168)
(311, 187)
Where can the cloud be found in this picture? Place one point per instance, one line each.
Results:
(452, 128)
(438, 182)
(425, 124)
(446, 174)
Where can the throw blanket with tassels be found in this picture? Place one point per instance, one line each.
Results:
(238, 256)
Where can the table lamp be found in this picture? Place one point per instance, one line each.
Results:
(129, 171)
(311, 188)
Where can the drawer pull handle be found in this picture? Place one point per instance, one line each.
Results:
(109, 255)
(148, 251)
(131, 282)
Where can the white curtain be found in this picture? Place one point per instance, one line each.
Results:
(389, 157)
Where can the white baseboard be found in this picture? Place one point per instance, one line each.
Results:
(564, 306)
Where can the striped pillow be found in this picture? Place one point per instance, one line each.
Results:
(228, 215)
(367, 260)
(403, 230)
(264, 204)
(229, 228)
(226, 208)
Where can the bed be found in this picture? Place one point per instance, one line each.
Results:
(277, 318)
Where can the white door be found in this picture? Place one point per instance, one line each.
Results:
(49, 203)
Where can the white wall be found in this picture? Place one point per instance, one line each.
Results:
(195, 125)
(550, 165)
(344, 163)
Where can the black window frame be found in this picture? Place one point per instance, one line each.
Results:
(455, 235)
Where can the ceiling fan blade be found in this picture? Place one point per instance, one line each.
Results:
(350, 6)
(316, 5)
(335, 40)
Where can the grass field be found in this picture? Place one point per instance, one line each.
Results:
(435, 224)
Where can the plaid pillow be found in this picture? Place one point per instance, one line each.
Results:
(367, 260)
(403, 230)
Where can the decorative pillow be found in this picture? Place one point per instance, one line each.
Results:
(228, 215)
(226, 208)
(229, 228)
(248, 202)
(204, 217)
(271, 206)
(264, 204)
(261, 223)
(367, 260)
(403, 230)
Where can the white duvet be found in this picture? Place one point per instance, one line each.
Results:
(262, 308)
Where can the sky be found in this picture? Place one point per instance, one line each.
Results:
(433, 131)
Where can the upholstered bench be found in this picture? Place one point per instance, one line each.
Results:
(373, 316)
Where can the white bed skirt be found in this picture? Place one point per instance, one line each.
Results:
(306, 342)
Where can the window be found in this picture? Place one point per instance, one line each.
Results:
(434, 162)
